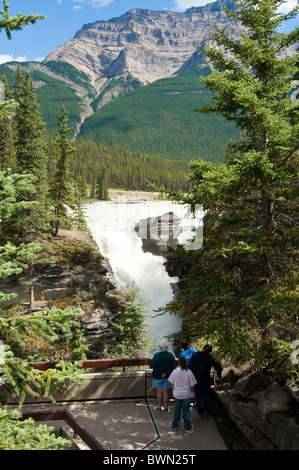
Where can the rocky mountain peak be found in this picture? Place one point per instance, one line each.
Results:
(212, 7)
(146, 44)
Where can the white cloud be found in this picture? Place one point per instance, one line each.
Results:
(9, 58)
(288, 6)
(4, 58)
(93, 3)
(182, 5)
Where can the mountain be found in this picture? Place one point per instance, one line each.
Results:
(158, 119)
(134, 81)
(56, 84)
(147, 44)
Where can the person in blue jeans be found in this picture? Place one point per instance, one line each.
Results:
(201, 364)
(182, 383)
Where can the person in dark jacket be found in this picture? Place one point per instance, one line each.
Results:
(201, 364)
(163, 363)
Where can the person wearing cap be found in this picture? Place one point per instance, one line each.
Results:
(201, 364)
(163, 363)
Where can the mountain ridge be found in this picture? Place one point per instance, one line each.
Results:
(148, 44)
(108, 60)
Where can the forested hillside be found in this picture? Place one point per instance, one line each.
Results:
(120, 168)
(90, 163)
(158, 119)
(55, 85)
(240, 290)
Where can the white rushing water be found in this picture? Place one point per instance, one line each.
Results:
(112, 225)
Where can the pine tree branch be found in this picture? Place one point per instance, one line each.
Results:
(16, 23)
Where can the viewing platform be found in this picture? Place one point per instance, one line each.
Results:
(134, 425)
(116, 411)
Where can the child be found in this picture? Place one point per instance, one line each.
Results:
(182, 383)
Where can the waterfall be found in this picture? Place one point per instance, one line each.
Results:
(113, 227)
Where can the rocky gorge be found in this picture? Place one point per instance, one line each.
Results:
(264, 409)
(71, 273)
(82, 278)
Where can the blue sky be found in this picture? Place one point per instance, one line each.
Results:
(65, 17)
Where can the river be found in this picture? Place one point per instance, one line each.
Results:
(113, 227)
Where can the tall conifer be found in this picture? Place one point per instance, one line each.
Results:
(30, 142)
(241, 288)
(61, 193)
(30, 148)
(6, 133)
(15, 372)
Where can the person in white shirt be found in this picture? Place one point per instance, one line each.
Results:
(182, 383)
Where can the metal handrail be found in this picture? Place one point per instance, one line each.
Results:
(155, 425)
(131, 362)
(259, 435)
(93, 364)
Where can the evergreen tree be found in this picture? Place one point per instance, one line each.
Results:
(17, 22)
(102, 186)
(113, 167)
(48, 324)
(80, 193)
(6, 133)
(18, 84)
(132, 334)
(15, 371)
(30, 148)
(26, 435)
(240, 288)
(15, 198)
(61, 193)
(30, 141)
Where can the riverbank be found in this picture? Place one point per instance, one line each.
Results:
(134, 196)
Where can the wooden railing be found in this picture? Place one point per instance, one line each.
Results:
(97, 363)
(65, 415)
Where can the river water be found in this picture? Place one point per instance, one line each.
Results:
(113, 227)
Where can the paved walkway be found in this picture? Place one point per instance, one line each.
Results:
(128, 425)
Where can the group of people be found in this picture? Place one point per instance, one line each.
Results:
(191, 375)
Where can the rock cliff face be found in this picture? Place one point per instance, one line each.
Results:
(272, 408)
(159, 233)
(82, 281)
(147, 44)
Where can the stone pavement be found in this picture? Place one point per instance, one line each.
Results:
(136, 425)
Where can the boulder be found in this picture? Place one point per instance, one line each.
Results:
(265, 411)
